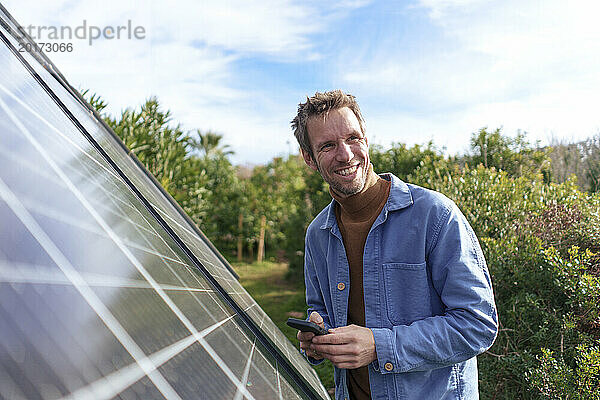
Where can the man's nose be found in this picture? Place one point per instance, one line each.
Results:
(344, 153)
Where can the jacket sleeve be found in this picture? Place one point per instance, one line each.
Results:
(468, 324)
(314, 296)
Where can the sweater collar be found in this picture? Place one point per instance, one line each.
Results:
(359, 202)
(400, 197)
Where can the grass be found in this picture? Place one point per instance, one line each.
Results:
(280, 298)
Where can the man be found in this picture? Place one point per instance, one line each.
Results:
(393, 270)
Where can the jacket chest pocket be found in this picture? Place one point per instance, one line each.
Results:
(407, 292)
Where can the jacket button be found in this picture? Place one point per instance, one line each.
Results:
(341, 286)
(388, 366)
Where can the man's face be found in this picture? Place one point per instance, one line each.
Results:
(341, 151)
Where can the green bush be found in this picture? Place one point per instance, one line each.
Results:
(538, 241)
(547, 305)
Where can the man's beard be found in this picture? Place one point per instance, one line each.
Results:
(354, 188)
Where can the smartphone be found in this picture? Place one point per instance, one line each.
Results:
(306, 326)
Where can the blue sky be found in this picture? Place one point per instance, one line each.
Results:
(421, 69)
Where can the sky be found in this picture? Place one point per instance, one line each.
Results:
(421, 69)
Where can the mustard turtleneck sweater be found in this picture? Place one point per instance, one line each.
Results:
(355, 216)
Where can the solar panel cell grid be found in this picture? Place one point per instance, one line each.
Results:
(97, 299)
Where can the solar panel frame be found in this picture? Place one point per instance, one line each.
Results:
(256, 330)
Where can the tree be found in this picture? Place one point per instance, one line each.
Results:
(513, 155)
(224, 198)
(592, 161)
(209, 144)
(402, 160)
(581, 159)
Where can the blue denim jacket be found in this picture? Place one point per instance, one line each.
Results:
(428, 294)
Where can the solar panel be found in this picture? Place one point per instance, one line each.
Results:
(106, 288)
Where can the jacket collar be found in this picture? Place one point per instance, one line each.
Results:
(400, 197)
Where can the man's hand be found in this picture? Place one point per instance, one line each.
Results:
(347, 347)
(305, 338)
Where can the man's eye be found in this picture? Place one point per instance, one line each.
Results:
(326, 147)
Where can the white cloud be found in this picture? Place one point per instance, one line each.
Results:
(441, 9)
(272, 27)
(530, 65)
(524, 33)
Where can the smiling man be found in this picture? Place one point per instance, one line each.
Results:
(393, 270)
(341, 152)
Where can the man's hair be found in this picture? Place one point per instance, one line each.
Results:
(319, 105)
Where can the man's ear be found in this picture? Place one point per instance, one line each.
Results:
(308, 160)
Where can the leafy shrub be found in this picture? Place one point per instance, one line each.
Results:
(554, 379)
(548, 311)
(538, 239)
